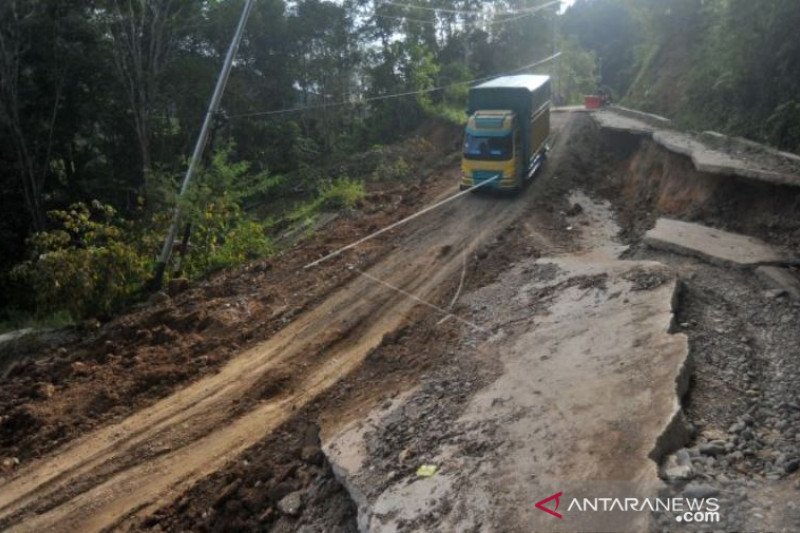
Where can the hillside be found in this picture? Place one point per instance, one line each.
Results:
(731, 66)
(398, 274)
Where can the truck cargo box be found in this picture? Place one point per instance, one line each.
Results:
(523, 94)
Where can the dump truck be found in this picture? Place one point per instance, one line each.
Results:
(506, 138)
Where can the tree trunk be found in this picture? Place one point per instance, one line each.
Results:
(144, 34)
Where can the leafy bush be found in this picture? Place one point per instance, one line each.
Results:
(342, 193)
(15, 319)
(455, 77)
(92, 262)
(575, 73)
(223, 234)
(783, 126)
(454, 115)
(395, 170)
(87, 265)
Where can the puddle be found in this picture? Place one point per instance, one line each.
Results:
(598, 229)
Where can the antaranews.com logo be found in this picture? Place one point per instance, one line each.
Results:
(683, 510)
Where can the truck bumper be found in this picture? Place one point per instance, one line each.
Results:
(503, 183)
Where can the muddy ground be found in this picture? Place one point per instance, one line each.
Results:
(100, 370)
(743, 405)
(52, 390)
(440, 358)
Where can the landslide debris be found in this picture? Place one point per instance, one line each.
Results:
(51, 393)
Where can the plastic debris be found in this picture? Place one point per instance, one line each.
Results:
(427, 470)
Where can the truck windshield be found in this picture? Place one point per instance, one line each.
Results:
(488, 148)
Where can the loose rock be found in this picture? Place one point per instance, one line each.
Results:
(8, 464)
(700, 490)
(713, 448)
(80, 369)
(291, 504)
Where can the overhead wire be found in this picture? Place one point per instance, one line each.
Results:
(517, 15)
(434, 22)
(526, 10)
(417, 299)
(525, 13)
(390, 96)
(406, 19)
(390, 227)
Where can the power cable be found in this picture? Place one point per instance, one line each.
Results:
(526, 10)
(390, 96)
(409, 218)
(406, 19)
(434, 23)
(445, 312)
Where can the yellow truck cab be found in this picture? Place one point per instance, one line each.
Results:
(507, 132)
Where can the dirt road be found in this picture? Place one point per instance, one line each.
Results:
(572, 332)
(144, 462)
(557, 283)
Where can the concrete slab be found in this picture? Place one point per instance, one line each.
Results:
(656, 120)
(780, 278)
(588, 395)
(779, 169)
(569, 109)
(712, 245)
(712, 161)
(610, 120)
(14, 335)
(741, 141)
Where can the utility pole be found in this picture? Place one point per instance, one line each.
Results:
(222, 80)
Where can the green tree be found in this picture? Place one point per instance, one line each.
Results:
(574, 73)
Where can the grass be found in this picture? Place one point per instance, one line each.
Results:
(16, 320)
(342, 193)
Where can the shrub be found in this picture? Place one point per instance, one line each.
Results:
(395, 170)
(783, 127)
(87, 265)
(453, 115)
(223, 234)
(92, 262)
(342, 193)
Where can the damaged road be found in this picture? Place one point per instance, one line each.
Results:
(601, 366)
(588, 393)
(127, 470)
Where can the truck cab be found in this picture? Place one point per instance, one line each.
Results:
(492, 148)
(505, 141)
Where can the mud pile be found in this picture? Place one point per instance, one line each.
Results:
(51, 392)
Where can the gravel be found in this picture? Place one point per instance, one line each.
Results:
(743, 402)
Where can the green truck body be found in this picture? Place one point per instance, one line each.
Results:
(515, 106)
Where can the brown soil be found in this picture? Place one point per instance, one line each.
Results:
(646, 182)
(204, 411)
(53, 393)
(271, 339)
(423, 352)
(245, 494)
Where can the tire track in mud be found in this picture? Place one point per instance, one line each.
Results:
(144, 462)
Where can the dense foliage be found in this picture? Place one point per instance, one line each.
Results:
(730, 65)
(100, 102)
